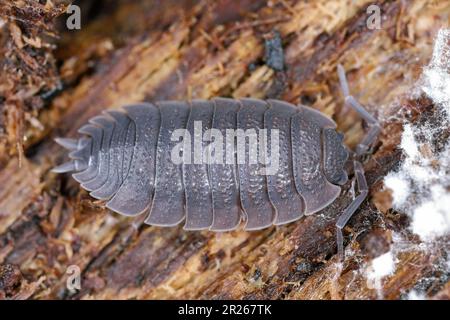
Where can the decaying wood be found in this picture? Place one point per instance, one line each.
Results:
(29, 73)
(155, 50)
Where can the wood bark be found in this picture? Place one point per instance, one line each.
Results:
(131, 51)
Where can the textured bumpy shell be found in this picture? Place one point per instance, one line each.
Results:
(125, 158)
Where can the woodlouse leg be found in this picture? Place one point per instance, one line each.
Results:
(375, 127)
(348, 212)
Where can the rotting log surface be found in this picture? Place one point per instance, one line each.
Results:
(154, 50)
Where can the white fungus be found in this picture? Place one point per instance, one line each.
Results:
(400, 188)
(409, 144)
(381, 267)
(447, 265)
(419, 187)
(436, 76)
(416, 295)
(378, 269)
(432, 217)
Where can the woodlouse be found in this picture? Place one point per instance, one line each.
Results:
(125, 158)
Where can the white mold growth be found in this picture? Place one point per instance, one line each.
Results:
(381, 267)
(420, 186)
(416, 295)
(431, 219)
(436, 76)
(378, 269)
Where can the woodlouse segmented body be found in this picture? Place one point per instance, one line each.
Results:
(125, 158)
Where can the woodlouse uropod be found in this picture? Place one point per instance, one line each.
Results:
(124, 157)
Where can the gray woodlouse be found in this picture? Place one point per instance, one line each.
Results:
(124, 158)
